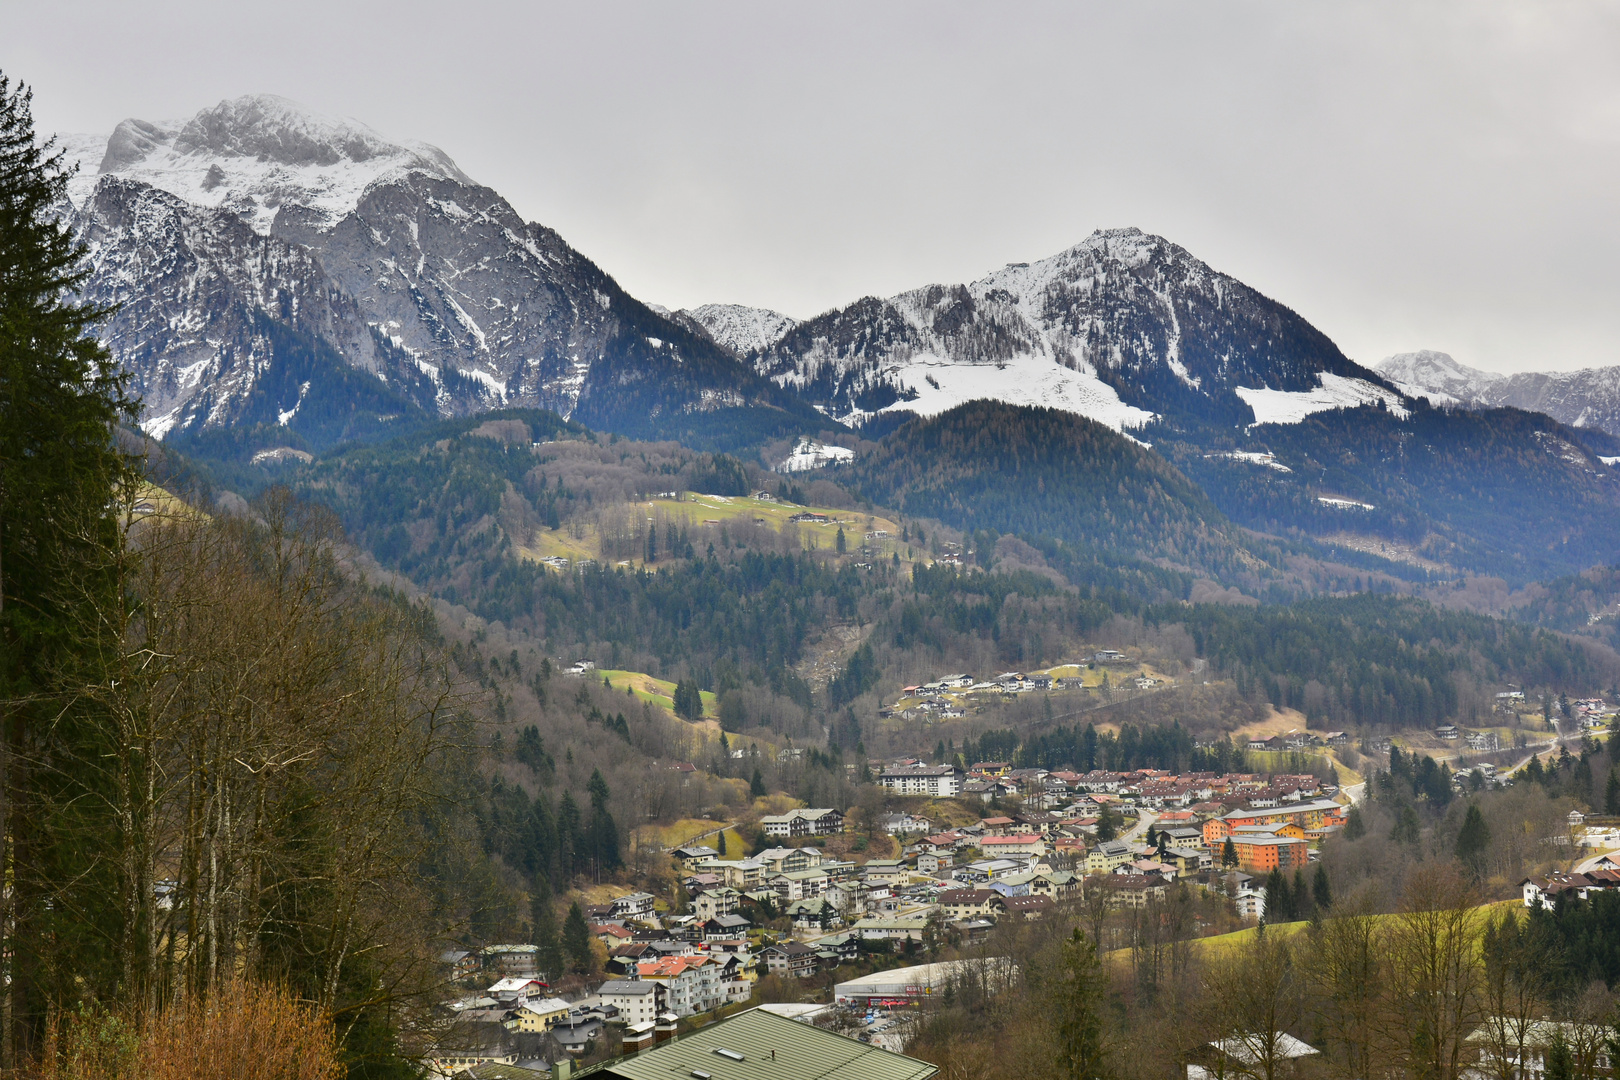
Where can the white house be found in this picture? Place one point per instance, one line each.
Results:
(939, 781)
(638, 1002)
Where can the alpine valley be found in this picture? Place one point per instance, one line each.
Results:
(289, 286)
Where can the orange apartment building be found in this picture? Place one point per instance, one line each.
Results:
(1259, 855)
(1309, 816)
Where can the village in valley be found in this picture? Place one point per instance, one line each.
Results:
(966, 850)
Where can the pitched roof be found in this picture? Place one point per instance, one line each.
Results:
(790, 948)
(802, 1052)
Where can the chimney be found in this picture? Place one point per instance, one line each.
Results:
(562, 1070)
(638, 1037)
(666, 1027)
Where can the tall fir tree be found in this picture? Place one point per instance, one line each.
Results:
(720, 845)
(603, 832)
(1107, 824)
(1279, 905)
(576, 940)
(1300, 894)
(1322, 889)
(543, 931)
(1080, 1009)
(1229, 855)
(1474, 841)
(1611, 792)
(62, 480)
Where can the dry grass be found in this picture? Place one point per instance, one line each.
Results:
(1277, 722)
(1225, 943)
(243, 1031)
(698, 510)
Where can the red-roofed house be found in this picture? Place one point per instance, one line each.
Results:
(1013, 844)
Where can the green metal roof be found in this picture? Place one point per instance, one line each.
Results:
(803, 1052)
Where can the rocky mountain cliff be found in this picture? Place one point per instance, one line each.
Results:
(1588, 398)
(257, 212)
(1122, 327)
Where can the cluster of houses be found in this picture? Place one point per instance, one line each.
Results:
(1232, 828)
(1050, 789)
(944, 697)
(962, 882)
(1482, 741)
(1594, 714)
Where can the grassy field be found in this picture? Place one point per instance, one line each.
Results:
(1225, 943)
(703, 513)
(646, 688)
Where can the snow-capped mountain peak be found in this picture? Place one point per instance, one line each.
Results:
(1436, 376)
(1120, 327)
(742, 329)
(253, 155)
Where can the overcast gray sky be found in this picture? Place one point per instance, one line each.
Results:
(1405, 175)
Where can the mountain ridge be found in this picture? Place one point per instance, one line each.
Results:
(1585, 398)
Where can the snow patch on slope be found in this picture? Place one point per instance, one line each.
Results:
(251, 156)
(941, 385)
(1334, 392)
(810, 454)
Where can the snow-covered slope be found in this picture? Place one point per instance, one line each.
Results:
(742, 329)
(1334, 392)
(1589, 397)
(251, 156)
(811, 454)
(1118, 328)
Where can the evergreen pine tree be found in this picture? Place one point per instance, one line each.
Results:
(1533, 771)
(1152, 837)
(62, 482)
(688, 700)
(1611, 794)
(576, 939)
(1355, 826)
(1229, 855)
(1301, 895)
(1322, 889)
(1406, 825)
(1279, 905)
(572, 850)
(1081, 1008)
(720, 845)
(652, 543)
(1107, 824)
(1560, 1062)
(603, 832)
(839, 542)
(1474, 840)
(756, 786)
(543, 931)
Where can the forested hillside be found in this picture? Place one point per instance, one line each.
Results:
(1045, 473)
(1385, 662)
(1500, 492)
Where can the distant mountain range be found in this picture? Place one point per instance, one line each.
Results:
(287, 279)
(1589, 398)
